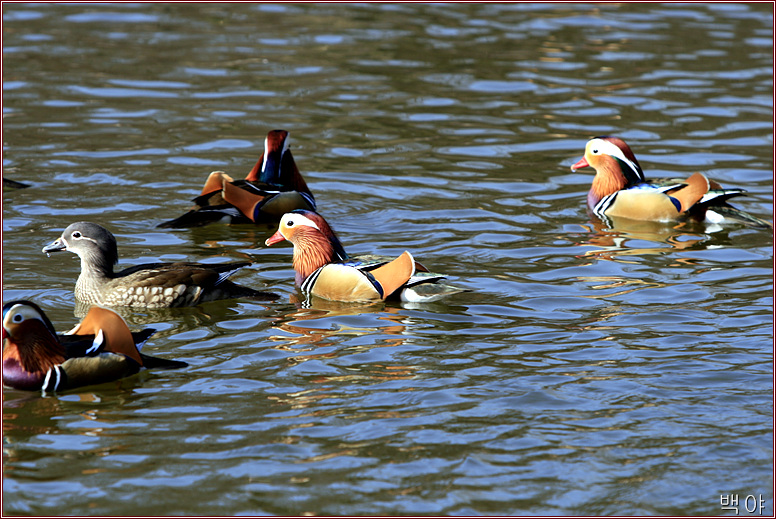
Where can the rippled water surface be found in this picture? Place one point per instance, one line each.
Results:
(591, 370)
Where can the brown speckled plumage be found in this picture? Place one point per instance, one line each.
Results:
(154, 285)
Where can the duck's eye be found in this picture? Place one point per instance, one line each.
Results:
(290, 223)
(76, 234)
(595, 151)
(18, 318)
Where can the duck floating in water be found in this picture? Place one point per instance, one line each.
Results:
(620, 189)
(272, 188)
(325, 270)
(152, 285)
(99, 349)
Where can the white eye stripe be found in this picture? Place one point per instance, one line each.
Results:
(19, 313)
(298, 219)
(609, 148)
(80, 237)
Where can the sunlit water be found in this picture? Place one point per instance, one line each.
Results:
(590, 370)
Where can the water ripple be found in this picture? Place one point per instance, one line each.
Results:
(592, 370)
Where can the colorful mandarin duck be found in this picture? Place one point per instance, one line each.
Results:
(325, 270)
(152, 285)
(99, 349)
(620, 190)
(272, 188)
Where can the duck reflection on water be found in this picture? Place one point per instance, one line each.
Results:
(616, 237)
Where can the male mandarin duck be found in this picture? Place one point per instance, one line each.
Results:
(325, 270)
(152, 285)
(99, 349)
(620, 190)
(272, 188)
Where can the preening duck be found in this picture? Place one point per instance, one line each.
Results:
(99, 349)
(152, 285)
(272, 188)
(325, 270)
(620, 189)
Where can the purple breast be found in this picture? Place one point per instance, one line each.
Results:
(15, 376)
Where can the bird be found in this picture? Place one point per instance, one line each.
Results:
(620, 189)
(99, 349)
(323, 268)
(152, 285)
(272, 188)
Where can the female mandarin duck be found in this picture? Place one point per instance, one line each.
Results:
(272, 188)
(99, 349)
(620, 190)
(325, 270)
(152, 285)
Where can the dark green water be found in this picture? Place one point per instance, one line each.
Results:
(591, 370)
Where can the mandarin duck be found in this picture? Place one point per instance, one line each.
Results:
(620, 190)
(152, 285)
(325, 270)
(99, 349)
(272, 188)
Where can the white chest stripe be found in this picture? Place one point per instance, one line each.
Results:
(604, 204)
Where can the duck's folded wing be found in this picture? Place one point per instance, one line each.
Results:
(395, 274)
(86, 371)
(167, 275)
(110, 330)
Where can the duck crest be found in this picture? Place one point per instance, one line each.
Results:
(268, 168)
(288, 168)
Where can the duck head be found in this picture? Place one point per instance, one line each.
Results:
(30, 345)
(94, 244)
(315, 243)
(615, 167)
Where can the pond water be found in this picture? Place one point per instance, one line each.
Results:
(591, 370)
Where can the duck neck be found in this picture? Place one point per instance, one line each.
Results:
(606, 182)
(94, 273)
(311, 252)
(40, 354)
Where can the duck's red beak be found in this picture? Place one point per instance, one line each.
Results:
(581, 164)
(275, 238)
